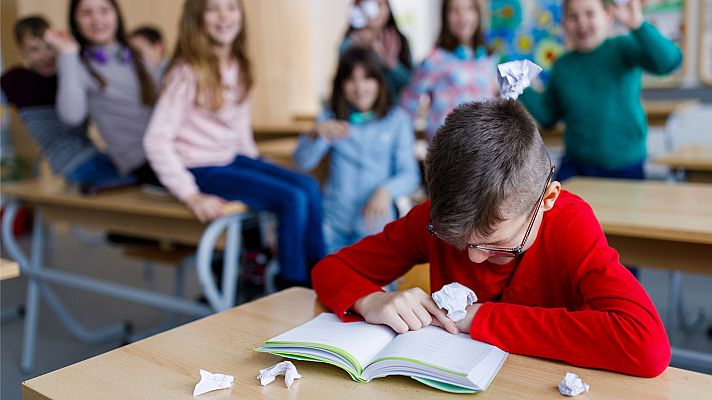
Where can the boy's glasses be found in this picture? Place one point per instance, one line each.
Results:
(495, 251)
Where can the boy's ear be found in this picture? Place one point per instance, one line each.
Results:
(552, 193)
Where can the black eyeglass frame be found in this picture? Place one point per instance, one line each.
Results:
(506, 251)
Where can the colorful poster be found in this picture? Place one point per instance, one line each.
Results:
(527, 29)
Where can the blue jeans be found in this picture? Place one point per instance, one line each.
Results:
(294, 197)
(98, 170)
(570, 168)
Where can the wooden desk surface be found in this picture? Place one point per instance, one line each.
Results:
(691, 157)
(166, 366)
(282, 148)
(8, 269)
(124, 200)
(677, 212)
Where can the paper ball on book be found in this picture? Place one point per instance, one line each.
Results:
(455, 297)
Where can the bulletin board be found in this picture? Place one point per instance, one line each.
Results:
(528, 29)
(671, 18)
(704, 41)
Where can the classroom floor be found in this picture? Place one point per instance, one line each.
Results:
(56, 348)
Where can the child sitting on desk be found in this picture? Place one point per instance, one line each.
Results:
(370, 144)
(548, 283)
(32, 90)
(200, 142)
(595, 89)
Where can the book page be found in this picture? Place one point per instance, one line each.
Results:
(361, 340)
(436, 347)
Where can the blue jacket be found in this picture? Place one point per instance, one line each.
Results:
(376, 153)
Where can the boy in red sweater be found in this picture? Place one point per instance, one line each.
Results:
(547, 282)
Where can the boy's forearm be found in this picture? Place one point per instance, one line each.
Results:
(628, 341)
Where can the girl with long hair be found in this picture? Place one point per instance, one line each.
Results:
(102, 78)
(201, 145)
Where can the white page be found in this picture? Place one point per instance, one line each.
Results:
(360, 339)
(436, 346)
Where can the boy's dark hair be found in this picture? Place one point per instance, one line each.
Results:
(448, 41)
(347, 63)
(486, 164)
(34, 25)
(151, 34)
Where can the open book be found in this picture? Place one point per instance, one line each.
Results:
(431, 355)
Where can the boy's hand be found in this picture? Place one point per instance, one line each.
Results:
(330, 130)
(464, 324)
(629, 14)
(205, 206)
(403, 310)
(61, 41)
(378, 208)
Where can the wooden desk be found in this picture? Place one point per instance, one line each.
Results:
(279, 150)
(655, 224)
(126, 211)
(658, 111)
(290, 129)
(166, 367)
(695, 160)
(8, 269)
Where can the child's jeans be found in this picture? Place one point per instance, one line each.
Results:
(570, 168)
(294, 197)
(96, 170)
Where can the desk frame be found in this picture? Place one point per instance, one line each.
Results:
(40, 276)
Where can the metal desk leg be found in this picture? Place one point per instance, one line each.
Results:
(233, 224)
(36, 288)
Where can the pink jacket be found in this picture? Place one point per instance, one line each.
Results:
(183, 135)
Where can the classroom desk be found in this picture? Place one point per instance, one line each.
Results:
(8, 269)
(131, 212)
(166, 367)
(279, 150)
(655, 224)
(696, 161)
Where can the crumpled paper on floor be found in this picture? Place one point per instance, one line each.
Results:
(285, 368)
(455, 297)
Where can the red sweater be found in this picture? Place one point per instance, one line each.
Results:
(566, 298)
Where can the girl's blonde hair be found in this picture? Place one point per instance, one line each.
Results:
(194, 48)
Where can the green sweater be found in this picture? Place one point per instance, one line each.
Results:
(597, 95)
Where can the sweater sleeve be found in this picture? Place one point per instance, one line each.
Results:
(159, 140)
(618, 327)
(72, 97)
(360, 269)
(543, 106)
(647, 48)
(310, 152)
(405, 176)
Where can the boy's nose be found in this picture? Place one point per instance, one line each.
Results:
(477, 256)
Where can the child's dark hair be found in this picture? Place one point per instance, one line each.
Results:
(486, 164)
(34, 25)
(448, 41)
(151, 34)
(404, 56)
(347, 63)
(149, 92)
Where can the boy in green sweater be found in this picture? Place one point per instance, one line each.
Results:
(595, 89)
